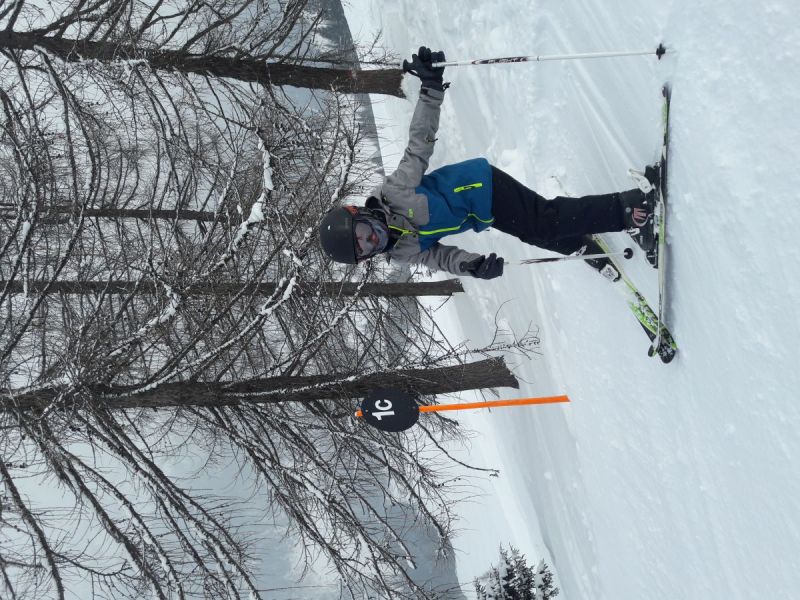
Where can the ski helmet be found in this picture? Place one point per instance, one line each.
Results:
(336, 234)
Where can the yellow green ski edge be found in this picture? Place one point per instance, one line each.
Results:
(641, 310)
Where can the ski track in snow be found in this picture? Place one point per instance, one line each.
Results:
(657, 481)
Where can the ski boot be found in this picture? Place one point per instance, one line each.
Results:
(639, 207)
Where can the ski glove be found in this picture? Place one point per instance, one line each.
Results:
(421, 65)
(484, 267)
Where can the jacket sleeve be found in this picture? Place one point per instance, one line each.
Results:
(444, 258)
(421, 138)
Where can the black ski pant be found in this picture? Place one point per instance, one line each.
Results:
(561, 224)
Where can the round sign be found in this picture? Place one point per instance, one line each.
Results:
(390, 410)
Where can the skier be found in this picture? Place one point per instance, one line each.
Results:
(407, 216)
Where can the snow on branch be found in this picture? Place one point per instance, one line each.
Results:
(256, 215)
(166, 315)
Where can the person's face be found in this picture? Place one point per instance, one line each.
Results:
(367, 239)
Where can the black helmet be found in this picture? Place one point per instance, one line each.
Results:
(336, 234)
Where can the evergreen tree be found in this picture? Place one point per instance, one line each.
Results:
(514, 579)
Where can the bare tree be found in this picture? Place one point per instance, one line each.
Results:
(103, 387)
(217, 39)
(423, 382)
(446, 287)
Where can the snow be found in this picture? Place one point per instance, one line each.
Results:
(656, 481)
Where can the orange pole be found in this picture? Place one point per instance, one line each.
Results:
(494, 403)
(490, 404)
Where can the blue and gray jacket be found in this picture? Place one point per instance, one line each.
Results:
(421, 208)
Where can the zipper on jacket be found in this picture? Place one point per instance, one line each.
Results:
(446, 229)
(470, 186)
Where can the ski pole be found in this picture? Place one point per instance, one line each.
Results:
(659, 52)
(627, 253)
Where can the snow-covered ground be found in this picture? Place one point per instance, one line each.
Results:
(657, 481)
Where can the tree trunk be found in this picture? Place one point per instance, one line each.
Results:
(447, 287)
(352, 81)
(488, 373)
(62, 214)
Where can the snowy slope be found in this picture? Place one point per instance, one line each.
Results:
(657, 481)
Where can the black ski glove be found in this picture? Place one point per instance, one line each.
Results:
(484, 267)
(421, 65)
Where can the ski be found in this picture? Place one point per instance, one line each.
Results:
(660, 337)
(662, 343)
(660, 220)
